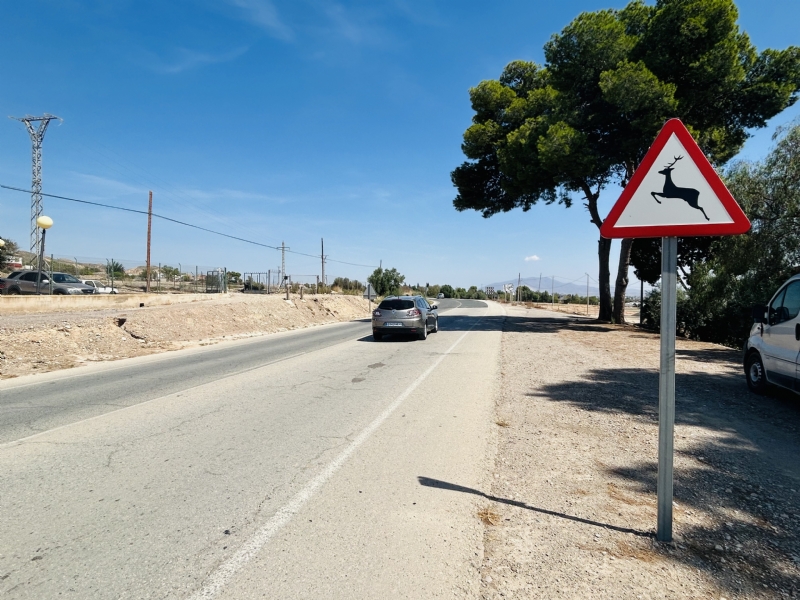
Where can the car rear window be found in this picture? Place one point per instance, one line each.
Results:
(397, 304)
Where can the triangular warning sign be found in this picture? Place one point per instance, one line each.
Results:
(674, 192)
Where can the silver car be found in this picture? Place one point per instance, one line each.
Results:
(405, 315)
(25, 282)
(772, 352)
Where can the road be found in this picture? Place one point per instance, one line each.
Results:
(285, 467)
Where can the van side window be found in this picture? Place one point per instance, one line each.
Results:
(787, 305)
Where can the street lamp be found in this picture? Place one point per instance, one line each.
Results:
(44, 223)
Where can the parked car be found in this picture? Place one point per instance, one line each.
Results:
(409, 315)
(99, 286)
(24, 282)
(772, 352)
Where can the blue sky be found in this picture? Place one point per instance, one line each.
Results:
(288, 121)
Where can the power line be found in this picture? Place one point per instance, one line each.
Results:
(184, 223)
(150, 181)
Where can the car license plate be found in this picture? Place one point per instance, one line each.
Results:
(392, 324)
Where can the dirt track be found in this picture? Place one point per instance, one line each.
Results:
(572, 511)
(46, 342)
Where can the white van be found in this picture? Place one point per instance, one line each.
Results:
(772, 351)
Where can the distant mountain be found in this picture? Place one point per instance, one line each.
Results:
(549, 284)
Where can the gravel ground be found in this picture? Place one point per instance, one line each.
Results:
(572, 511)
(49, 341)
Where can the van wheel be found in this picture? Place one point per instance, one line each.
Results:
(755, 373)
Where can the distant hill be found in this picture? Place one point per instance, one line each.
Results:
(553, 285)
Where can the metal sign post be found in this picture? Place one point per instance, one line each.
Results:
(666, 385)
(370, 294)
(674, 192)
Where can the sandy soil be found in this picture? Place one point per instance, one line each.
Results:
(46, 342)
(572, 512)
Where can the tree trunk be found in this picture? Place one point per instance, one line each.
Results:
(604, 252)
(622, 280)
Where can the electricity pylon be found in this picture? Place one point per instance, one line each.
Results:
(37, 137)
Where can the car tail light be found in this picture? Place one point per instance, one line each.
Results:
(414, 312)
(376, 313)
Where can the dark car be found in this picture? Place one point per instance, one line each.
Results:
(409, 315)
(25, 282)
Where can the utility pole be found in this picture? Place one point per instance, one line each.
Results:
(519, 280)
(37, 137)
(322, 256)
(284, 248)
(539, 288)
(149, 229)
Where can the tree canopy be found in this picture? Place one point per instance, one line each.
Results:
(7, 252)
(386, 281)
(610, 81)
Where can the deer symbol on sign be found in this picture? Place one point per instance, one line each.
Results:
(673, 191)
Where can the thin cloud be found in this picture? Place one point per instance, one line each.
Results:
(263, 14)
(105, 185)
(356, 27)
(191, 59)
(530, 258)
(229, 194)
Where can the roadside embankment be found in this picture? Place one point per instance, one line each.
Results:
(40, 342)
(26, 305)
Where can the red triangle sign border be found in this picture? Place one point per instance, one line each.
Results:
(739, 225)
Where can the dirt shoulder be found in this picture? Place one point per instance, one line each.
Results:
(47, 342)
(572, 512)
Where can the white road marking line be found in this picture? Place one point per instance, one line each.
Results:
(218, 578)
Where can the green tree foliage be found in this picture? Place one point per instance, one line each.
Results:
(646, 257)
(386, 281)
(348, 285)
(169, 273)
(610, 81)
(448, 291)
(233, 277)
(7, 252)
(115, 269)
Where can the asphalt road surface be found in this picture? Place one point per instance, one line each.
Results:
(286, 466)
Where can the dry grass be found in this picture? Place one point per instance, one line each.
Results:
(620, 496)
(489, 516)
